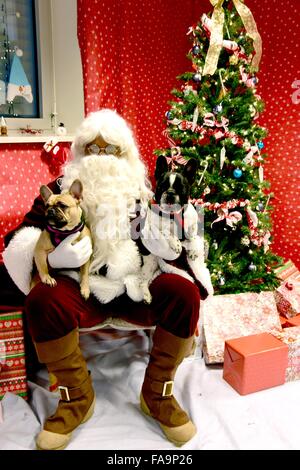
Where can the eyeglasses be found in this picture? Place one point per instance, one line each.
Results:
(110, 149)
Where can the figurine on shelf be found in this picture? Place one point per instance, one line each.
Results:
(3, 126)
(61, 130)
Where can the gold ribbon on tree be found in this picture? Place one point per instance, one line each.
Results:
(216, 37)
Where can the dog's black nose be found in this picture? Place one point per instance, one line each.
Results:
(170, 196)
(51, 212)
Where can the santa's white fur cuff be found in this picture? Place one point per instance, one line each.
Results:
(18, 257)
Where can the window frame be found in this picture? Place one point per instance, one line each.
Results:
(46, 84)
(51, 77)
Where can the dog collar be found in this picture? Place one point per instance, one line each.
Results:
(155, 207)
(57, 236)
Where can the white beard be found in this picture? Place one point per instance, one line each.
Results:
(111, 187)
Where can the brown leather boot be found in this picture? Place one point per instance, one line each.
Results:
(64, 359)
(157, 391)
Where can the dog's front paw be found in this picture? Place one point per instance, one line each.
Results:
(193, 254)
(175, 245)
(133, 287)
(147, 297)
(85, 292)
(47, 279)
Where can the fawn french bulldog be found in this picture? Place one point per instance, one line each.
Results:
(63, 217)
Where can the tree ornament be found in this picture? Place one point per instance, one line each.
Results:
(222, 157)
(222, 93)
(206, 249)
(221, 281)
(245, 241)
(169, 115)
(206, 190)
(260, 144)
(233, 60)
(196, 50)
(237, 173)
(197, 77)
(252, 110)
(252, 267)
(260, 207)
(218, 108)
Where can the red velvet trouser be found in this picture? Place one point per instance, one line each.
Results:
(52, 312)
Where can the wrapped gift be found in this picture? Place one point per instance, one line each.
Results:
(255, 362)
(12, 355)
(235, 315)
(287, 297)
(287, 271)
(291, 337)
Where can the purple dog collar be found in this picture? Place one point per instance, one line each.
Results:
(57, 236)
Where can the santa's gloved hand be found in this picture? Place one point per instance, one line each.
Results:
(69, 254)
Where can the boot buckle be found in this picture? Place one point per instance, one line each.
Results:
(168, 388)
(64, 393)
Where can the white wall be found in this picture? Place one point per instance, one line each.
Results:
(67, 64)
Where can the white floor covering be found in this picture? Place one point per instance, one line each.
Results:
(225, 420)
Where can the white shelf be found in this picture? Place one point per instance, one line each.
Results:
(17, 138)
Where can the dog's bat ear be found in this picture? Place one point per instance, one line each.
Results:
(161, 166)
(190, 170)
(76, 189)
(45, 192)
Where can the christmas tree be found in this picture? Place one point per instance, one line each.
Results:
(213, 118)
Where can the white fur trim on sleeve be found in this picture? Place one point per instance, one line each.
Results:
(18, 257)
(202, 273)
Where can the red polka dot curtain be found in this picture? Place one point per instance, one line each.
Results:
(132, 51)
(23, 169)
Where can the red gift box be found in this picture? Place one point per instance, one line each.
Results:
(12, 355)
(256, 362)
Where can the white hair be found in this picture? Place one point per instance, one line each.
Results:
(114, 130)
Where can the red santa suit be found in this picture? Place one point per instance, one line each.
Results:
(54, 311)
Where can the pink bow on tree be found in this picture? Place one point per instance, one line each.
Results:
(176, 158)
(250, 157)
(231, 217)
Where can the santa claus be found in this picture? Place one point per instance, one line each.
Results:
(114, 179)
